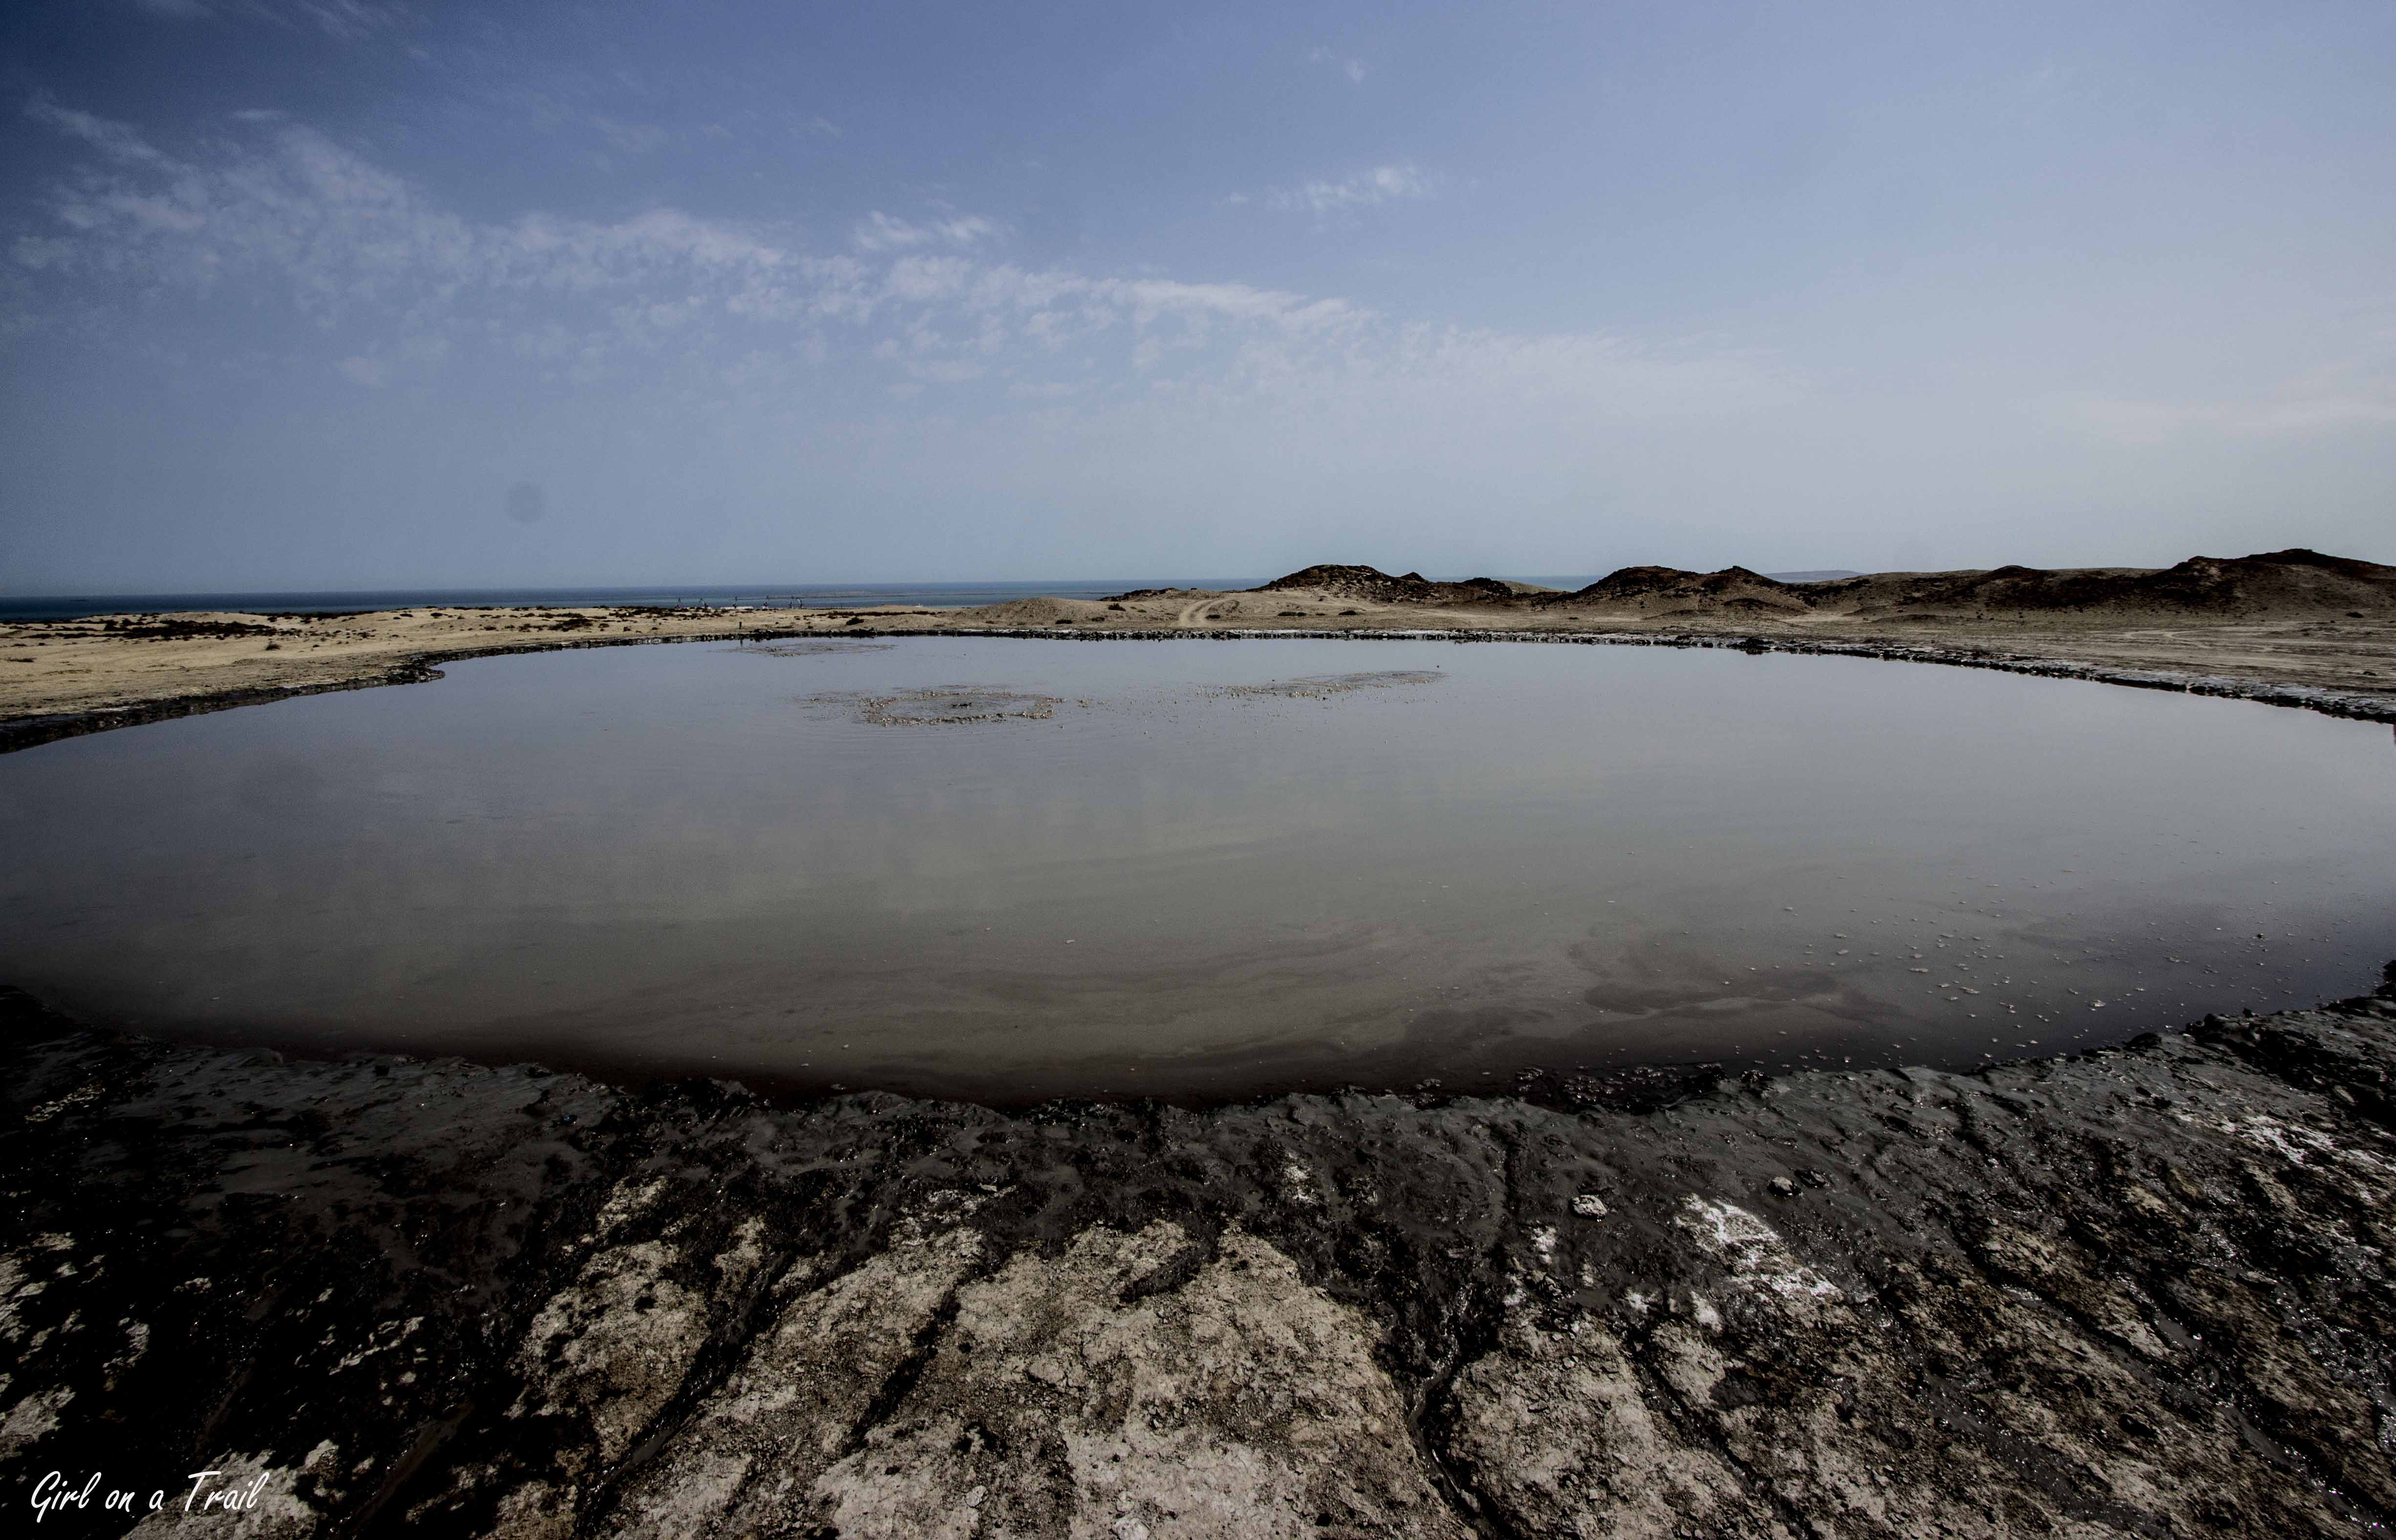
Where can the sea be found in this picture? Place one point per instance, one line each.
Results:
(754, 595)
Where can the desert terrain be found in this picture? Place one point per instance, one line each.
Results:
(2293, 625)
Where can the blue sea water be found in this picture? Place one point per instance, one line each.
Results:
(769, 596)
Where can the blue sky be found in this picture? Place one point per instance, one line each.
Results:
(309, 293)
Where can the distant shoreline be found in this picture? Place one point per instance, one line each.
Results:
(770, 596)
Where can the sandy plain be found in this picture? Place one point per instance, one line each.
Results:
(2284, 632)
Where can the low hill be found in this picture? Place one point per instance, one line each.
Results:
(2295, 584)
(1659, 592)
(2288, 584)
(1412, 588)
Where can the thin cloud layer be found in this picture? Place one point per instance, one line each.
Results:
(285, 217)
(1355, 69)
(879, 232)
(298, 289)
(1399, 183)
(347, 20)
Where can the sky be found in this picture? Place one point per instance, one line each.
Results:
(307, 294)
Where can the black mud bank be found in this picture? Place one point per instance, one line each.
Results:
(2143, 1291)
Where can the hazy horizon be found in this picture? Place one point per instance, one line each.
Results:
(316, 295)
(700, 588)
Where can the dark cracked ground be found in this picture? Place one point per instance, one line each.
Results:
(2142, 1292)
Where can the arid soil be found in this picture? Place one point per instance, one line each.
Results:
(2140, 1293)
(59, 678)
(2306, 626)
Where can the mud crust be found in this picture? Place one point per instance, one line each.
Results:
(2142, 1291)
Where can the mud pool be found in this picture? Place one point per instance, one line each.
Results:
(1013, 870)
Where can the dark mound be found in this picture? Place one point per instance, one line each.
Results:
(1661, 590)
(1413, 588)
(2293, 584)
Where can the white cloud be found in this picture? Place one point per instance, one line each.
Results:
(409, 288)
(347, 241)
(922, 280)
(1355, 69)
(348, 20)
(878, 232)
(1149, 299)
(341, 233)
(633, 138)
(1398, 181)
(118, 141)
(43, 251)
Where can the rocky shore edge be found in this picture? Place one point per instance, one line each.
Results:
(27, 732)
(2142, 1291)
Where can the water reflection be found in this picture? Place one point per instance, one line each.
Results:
(1013, 870)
